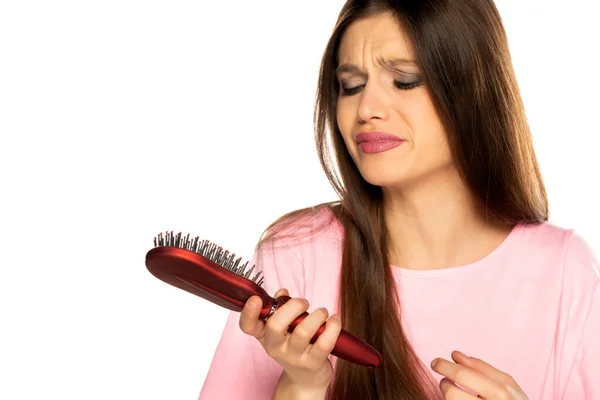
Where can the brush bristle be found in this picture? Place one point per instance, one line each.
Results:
(210, 251)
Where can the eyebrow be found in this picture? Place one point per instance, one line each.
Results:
(389, 64)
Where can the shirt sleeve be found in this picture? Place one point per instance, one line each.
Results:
(583, 381)
(240, 368)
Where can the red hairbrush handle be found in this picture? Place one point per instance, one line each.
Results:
(347, 347)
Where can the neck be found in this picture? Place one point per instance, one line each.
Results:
(438, 225)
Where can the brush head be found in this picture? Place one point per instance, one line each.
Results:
(210, 251)
(207, 270)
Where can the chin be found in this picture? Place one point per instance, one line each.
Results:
(398, 173)
(386, 176)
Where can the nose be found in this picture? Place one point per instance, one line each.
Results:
(372, 104)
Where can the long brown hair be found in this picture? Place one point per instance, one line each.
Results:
(462, 51)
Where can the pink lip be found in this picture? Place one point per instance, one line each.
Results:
(377, 142)
(375, 136)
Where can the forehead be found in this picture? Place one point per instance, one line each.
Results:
(377, 36)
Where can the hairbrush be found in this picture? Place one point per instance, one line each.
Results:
(214, 274)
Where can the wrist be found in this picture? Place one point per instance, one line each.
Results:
(286, 389)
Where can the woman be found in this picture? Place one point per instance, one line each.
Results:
(439, 245)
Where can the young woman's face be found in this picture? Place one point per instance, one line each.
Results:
(382, 92)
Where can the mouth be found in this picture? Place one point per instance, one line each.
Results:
(367, 137)
(377, 142)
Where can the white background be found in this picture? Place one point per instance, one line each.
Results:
(120, 119)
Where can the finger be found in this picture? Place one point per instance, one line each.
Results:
(276, 327)
(249, 322)
(452, 392)
(300, 338)
(324, 345)
(469, 378)
(281, 292)
(484, 368)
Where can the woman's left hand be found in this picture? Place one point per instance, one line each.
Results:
(476, 376)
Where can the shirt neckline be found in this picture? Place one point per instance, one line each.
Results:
(470, 268)
(459, 270)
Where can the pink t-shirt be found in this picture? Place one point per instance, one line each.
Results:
(531, 309)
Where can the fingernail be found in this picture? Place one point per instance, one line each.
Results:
(460, 353)
(336, 316)
(434, 362)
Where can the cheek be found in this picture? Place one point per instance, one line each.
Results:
(432, 142)
(427, 134)
(426, 126)
(345, 121)
(342, 114)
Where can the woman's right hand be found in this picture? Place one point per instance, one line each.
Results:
(306, 366)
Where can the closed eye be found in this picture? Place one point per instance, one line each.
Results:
(350, 91)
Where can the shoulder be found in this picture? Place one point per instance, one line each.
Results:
(578, 302)
(561, 262)
(563, 247)
(300, 233)
(562, 267)
(292, 247)
(303, 228)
